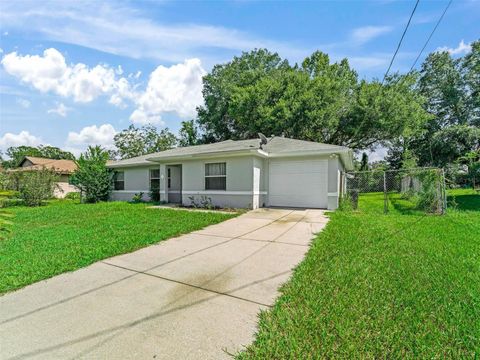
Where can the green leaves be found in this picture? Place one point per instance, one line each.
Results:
(317, 101)
(144, 140)
(92, 177)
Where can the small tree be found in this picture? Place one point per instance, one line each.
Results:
(92, 177)
(37, 186)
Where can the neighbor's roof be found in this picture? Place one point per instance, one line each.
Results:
(277, 146)
(60, 166)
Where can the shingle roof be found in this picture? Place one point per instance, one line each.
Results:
(276, 145)
(60, 166)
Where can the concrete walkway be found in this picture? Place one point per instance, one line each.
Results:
(192, 297)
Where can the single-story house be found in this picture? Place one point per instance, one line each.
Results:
(239, 174)
(64, 169)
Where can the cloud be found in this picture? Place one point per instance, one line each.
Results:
(462, 48)
(60, 110)
(116, 28)
(364, 34)
(92, 135)
(50, 73)
(22, 138)
(23, 103)
(175, 89)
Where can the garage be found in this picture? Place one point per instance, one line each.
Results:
(298, 183)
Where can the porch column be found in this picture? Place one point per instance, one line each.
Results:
(163, 183)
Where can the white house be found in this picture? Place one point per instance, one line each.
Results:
(239, 174)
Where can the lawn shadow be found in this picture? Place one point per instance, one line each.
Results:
(464, 202)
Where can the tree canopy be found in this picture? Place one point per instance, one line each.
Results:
(316, 100)
(144, 140)
(16, 153)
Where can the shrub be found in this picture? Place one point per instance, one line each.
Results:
(138, 197)
(37, 186)
(155, 194)
(92, 177)
(75, 196)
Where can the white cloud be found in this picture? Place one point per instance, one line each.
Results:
(23, 103)
(364, 34)
(50, 73)
(92, 135)
(170, 89)
(462, 48)
(116, 28)
(22, 138)
(60, 110)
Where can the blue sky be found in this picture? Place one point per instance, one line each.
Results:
(74, 73)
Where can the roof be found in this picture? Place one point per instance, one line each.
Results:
(276, 147)
(60, 166)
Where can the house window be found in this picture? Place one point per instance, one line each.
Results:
(216, 176)
(169, 178)
(154, 179)
(119, 180)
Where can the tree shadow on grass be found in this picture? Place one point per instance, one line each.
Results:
(467, 202)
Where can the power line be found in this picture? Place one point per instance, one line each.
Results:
(431, 34)
(401, 40)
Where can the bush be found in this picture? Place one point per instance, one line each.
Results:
(92, 177)
(137, 198)
(75, 196)
(155, 195)
(9, 202)
(37, 186)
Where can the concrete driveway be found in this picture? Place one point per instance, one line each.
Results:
(192, 297)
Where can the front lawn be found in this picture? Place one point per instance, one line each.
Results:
(65, 236)
(382, 286)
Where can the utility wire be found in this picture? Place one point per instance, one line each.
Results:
(431, 34)
(401, 40)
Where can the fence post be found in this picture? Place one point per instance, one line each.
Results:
(385, 200)
(444, 193)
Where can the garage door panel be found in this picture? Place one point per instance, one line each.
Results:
(298, 183)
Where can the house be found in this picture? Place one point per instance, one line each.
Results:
(239, 174)
(64, 169)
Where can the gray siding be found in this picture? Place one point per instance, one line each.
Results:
(137, 179)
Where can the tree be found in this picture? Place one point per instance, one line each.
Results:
(134, 141)
(364, 162)
(16, 153)
(452, 89)
(92, 177)
(37, 186)
(317, 101)
(188, 134)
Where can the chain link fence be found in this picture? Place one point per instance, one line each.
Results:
(421, 189)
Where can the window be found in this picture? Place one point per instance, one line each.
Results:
(155, 184)
(216, 176)
(154, 179)
(119, 180)
(169, 178)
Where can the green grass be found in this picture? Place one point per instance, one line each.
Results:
(64, 236)
(402, 285)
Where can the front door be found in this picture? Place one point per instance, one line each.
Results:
(174, 183)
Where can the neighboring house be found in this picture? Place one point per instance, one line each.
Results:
(239, 174)
(64, 168)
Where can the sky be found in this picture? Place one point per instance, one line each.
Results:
(74, 73)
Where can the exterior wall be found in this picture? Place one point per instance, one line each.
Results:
(137, 179)
(27, 163)
(239, 182)
(334, 168)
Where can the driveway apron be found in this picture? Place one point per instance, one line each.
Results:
(196, 296)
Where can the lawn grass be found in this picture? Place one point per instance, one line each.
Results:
(64, 236)
(402, 285)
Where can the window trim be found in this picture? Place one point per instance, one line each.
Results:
(205, 176)
(115, 181)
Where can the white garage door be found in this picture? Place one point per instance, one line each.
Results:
(298, 183)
